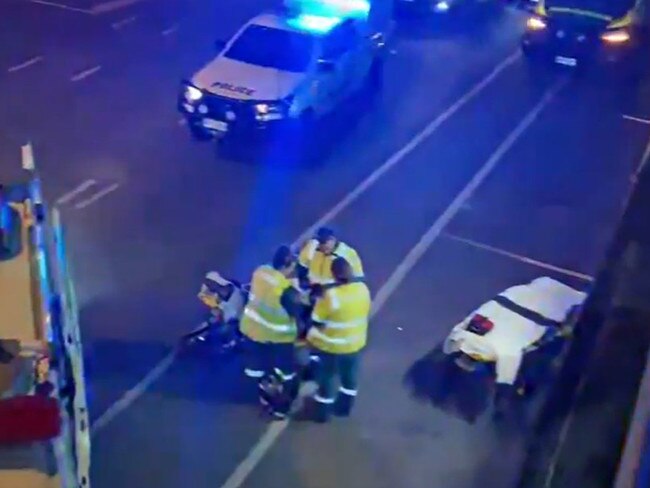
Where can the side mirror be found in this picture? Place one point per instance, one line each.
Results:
(326, 65)
(220, 44)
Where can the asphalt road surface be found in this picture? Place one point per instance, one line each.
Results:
(470, 174)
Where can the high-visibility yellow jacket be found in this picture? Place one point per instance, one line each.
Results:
(344, 311)
(265, 320)
(319, 264)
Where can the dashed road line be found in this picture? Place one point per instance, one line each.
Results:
(86, 73)
(170, 30)
(97, 196)
(519, 257)
(68, 196)
(637, 119)
(124, 22)
(25, 64)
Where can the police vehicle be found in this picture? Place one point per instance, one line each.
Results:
(584, 32)
(289, 67)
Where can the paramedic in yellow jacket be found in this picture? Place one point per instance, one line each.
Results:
(269, 323)
(339, 333)
(316, 257)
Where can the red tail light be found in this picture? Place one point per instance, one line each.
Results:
(480, 325)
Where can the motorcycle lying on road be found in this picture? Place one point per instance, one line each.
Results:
(214, 334)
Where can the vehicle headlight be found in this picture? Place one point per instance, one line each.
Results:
(269, 111)
(441, 6)
(192, 93)
(617, 36)
(535, 24)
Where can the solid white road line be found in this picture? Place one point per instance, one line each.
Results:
(376, 175)
(133, 394)
(637, 119)
(82, 187)
(25, 64)
(170, 30)
(642, 163)
(520, 258)
(61, 6)
(86, 73)
(272, 433)
(100, 194)
(396, 158)
(112, 5)
(121, 23)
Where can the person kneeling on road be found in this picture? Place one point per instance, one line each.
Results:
(270, 325)
(339, 333)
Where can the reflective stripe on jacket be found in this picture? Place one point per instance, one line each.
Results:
(319, 264)
(344, 312)
(265, 320)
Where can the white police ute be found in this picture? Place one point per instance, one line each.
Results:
(288, 67)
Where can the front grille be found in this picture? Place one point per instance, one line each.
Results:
(224, 108)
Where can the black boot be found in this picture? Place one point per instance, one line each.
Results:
(343, 405)
(322, 412)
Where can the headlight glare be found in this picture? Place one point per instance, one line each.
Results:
(535, 23)
(192, 93)
(616, 36)
(262, 108)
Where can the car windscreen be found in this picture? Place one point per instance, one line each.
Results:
(611, 8)
(272, 48)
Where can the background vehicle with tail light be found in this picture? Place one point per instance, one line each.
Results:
(576, 34)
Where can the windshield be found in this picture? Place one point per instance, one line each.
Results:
(611, 8)
(273, 48)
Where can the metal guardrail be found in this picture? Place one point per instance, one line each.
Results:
(71, 449)
(589, 417)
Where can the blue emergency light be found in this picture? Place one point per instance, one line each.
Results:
(322, 15)
(314, 23)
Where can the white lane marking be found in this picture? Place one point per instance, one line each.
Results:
(133, 394)
(121, 23)
(170, 30)
(272, 433)
(25, 64)
(86, 73)
(519, 257)
(637, 119)
(396, 158)
(61, 6)
(642, 163)
(112, 5)
(372, 178)
(82, 187)
(100, 194)
(27, 157)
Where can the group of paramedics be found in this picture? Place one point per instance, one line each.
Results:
(305, 316)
